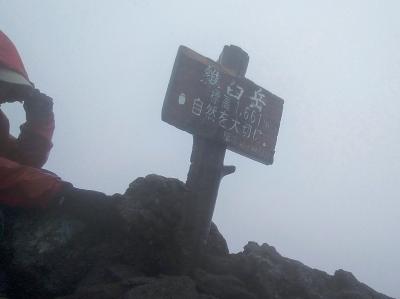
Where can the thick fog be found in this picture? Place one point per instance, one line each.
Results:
(331, 198)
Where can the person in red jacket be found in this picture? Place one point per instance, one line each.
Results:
(23, 184)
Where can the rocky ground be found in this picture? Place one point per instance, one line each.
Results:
(53, 255)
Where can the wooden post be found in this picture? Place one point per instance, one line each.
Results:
(222, 109)
(207, 166)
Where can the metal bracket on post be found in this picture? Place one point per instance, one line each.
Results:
(207, 167)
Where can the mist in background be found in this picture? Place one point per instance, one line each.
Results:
(331, 198)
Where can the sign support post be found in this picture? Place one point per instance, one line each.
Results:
(223, 110)
(207, 163)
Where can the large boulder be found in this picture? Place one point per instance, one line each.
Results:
(48, 254)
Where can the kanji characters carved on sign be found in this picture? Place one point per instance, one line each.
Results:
(205, 99)
(197, 106)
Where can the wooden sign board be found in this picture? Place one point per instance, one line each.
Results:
(206, 99)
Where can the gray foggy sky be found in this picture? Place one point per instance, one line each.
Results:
(331, 199)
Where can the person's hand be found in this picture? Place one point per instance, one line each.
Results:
(10, 93)
(37, 105)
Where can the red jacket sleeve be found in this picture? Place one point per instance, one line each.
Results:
(25, 186)
(22, 182)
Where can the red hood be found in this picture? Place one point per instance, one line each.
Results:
(9, 57)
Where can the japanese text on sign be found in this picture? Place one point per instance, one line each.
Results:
(204, 98)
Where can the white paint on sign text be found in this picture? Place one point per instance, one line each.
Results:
(211, 112)
(215, 95)
(211, 75)
(257, 100)
(247, 128)
(235, 91)
(223, 120)
(197, 106)
(235, 126)
(226, 103)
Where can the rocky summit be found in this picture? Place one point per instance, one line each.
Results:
(49, 254)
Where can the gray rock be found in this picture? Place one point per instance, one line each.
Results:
(216, 245)
(49, 254)
(269, 275)
(222, 286)
(179, 287)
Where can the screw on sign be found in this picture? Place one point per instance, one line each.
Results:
(223, 110)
